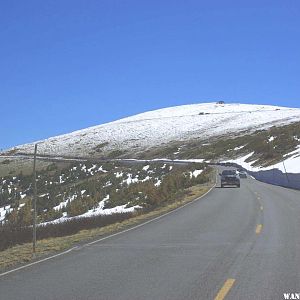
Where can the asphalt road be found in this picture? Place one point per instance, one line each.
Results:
(233, 243)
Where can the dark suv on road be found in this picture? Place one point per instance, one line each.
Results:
(230, 177)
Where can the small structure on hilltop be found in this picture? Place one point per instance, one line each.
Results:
(221, 102)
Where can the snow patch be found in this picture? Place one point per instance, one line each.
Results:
(289, 165)
(195, 173)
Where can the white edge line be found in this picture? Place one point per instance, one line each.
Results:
(107, 237)
(37, 262)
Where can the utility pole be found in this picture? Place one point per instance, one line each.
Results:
(34, 203)
(283, 163)
(286, 174)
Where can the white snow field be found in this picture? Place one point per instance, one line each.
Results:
(169, 124)
(291, 164)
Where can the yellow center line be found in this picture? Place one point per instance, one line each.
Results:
(258, 229)
(225, 289)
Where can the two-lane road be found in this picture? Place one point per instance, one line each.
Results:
(233, 243)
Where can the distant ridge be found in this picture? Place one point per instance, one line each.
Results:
(180, 123)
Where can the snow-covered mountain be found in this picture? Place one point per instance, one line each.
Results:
(154, 128)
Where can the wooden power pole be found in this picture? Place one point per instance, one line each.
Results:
(34, 203)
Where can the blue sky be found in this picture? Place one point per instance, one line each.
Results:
(71, 64)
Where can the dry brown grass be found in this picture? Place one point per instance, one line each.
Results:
(23, 253)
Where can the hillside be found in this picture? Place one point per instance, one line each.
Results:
(132, 136)
(87, 195)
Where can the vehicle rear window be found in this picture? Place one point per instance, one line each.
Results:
(228, 172)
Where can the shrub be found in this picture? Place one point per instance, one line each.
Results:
(11, 235)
